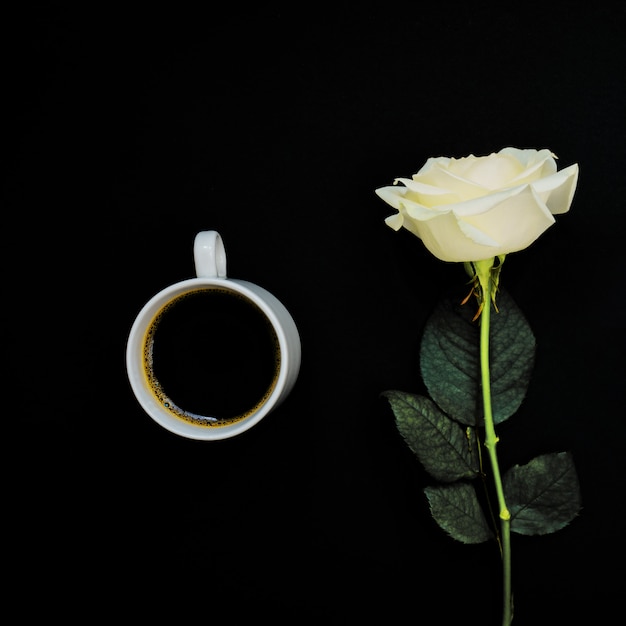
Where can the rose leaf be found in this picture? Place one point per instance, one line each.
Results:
(446, 450)
(450, 360)
(542, 496)
(456, 509)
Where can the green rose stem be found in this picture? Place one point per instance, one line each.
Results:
(484, 273)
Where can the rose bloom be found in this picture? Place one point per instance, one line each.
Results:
(476, 208)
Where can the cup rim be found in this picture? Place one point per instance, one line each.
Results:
(135, 350)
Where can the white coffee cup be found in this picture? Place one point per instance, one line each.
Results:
(210, 264)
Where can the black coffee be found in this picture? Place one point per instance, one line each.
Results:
(212, 356)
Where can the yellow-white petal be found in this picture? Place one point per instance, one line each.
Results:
(446, 179)
(514, 222)
(395, 221)
(392, 195)
(557, 191)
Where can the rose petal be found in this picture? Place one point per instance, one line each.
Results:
(438, 176)
(419, 211)
(557, 191)
(439, 235)
(535, 171)
(510, 225)
(530, 157)
(413, 226)
(392, 195)
(395, 221)
(514, 223)
(400, 198)
(476, 235)
(422, 188)
(492, 172)
(427, 195)
(476, 206)
(433, 162)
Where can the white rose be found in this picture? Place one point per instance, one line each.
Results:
(475, 208)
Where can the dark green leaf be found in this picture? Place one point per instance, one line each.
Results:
(457, 510)
(542, 496)
(446, 450)
(450, 362)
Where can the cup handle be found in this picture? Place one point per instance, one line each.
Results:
(209, 255)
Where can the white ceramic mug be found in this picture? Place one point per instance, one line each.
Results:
(210, 264)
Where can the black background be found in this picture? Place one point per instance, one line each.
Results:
(132, 130)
